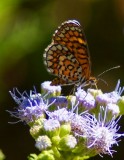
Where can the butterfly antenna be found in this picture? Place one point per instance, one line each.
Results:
(107, 71)
(103, 81)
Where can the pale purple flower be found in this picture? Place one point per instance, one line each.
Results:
(30, 108)
(43, 142)
(112, 97)
(106, 98)
(78, 125)
(51, 124)
(101, 134)
(46, 87)
(71, 141)
(113, 108)
(85, 99)
(67, 142)
(62, 125)
(62, 115)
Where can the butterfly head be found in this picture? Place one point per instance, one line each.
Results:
(92, 81)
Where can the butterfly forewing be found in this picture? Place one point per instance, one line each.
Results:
(67, 56)
(70, 34)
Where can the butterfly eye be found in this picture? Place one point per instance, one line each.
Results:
(93, 81)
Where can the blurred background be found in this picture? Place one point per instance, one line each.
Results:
(26, 28)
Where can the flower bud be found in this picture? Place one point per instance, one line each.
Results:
(65, 129)
(43, 142)
(68, 142)
(120, 103)
(52, 90)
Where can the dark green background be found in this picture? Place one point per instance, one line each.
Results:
(26, 28)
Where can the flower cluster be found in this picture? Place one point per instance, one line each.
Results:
(72, 127)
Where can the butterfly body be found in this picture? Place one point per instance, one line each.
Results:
(67, 56)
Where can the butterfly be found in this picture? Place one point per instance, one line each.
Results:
(67, 57)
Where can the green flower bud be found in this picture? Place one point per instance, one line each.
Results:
(32, 157)
(36, 131)
(46, 155)
(71, 100)
(95, 92)
(65, 129)
(120, 103)
(55, 140)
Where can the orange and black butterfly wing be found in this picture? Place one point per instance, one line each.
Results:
(71, 35)
(67, 56)
(62, 63)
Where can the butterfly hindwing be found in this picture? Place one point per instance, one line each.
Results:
(64, 66)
